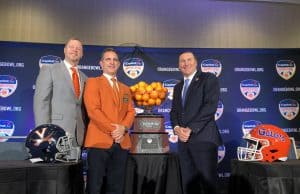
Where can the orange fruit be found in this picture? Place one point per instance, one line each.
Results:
(145, 97)
(165, 89)
(159, 84)
(153, 84)
(154, 94)
(151, 102)
(158, 88)
(162, 95)
(132, 88)
(142, 84)
(158, 101)
(141, 90)
(138, 97)
(149, 88)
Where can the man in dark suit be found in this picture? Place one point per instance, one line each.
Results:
(194, 105)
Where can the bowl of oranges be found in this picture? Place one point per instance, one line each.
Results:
(148, 95)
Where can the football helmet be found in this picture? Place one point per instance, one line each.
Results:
(266, 143)
(50, 143)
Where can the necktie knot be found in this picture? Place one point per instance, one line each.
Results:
(75, 80)
(73, 69)
(186, 82)
(114, 80)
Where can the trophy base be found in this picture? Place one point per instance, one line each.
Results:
(149, 142)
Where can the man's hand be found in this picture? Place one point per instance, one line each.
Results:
(183, 133)
(119, 140)
(118, 133)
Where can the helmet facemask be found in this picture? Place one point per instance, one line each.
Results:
(252, 151)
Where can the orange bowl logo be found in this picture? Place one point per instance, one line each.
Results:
(247, 126)
(7, 128)
(169, 84)
(286, 69)
(289, 108)
(211, 65)
(8, 85)
(49, 60)
(133, 67)
(250, 88)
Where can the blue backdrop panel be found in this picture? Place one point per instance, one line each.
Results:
(257, 86)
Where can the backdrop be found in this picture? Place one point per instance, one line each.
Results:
(257, 86)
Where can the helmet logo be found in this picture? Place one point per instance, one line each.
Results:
(269, 133)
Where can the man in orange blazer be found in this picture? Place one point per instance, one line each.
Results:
(111, 113)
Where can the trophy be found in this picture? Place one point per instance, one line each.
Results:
(148, 135)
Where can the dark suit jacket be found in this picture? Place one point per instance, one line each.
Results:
(199, 110)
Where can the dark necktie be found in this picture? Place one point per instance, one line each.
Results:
(115, 89)
(75, 79)
(185, 88)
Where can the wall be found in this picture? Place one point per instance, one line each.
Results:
(155, 23)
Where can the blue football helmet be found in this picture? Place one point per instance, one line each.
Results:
(50, 143)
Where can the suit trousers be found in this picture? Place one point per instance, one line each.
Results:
(106, 170)
(198, 164)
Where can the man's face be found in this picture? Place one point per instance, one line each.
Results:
(73, 51)
(187, 63)
(110, 63)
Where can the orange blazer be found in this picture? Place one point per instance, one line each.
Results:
(102, 110)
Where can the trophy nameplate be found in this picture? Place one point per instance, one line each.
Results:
(149, 123)
(143, 142)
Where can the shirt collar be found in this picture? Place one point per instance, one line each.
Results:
(190, 77)
(68, 65)
(109, 76)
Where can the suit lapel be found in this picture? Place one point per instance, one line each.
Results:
(121, 95)
(196, 79)
(82, 83)
(67, 76)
